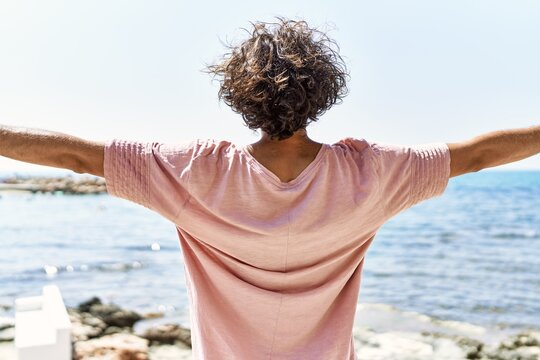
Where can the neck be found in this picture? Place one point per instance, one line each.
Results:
(299, 138)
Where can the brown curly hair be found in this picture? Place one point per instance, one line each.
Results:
(281, 78)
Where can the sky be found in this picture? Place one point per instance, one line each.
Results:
(421, 71)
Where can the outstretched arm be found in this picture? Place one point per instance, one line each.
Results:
(493, 149)
(51, 148)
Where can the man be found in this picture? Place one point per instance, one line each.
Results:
(274, 233)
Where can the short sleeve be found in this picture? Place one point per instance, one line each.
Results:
(151, 174)
(410, 174)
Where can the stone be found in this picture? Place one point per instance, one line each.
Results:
(112, 347)
(524, 338)
(170, 352)
(168, 334)
(59, 184)
(472, 348)
(6, 322)
(84, 325)
(113, 315)
(522, 353)
(85, 306)
(7, 334)
(91, 320)
(522, 346)
(117, 330)
(153, 315)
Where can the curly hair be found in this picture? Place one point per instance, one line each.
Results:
(281, 78)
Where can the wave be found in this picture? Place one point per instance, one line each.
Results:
(513, 234)
(380, 317)
(53, 270)
(154, 247)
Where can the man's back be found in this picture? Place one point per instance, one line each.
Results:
(273, 269)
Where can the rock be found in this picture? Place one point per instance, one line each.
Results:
(85, 306)
(522, 353)
(65, 185)
(7, 334)
(153, 315)
(522, 346)
(399, 345)
(524, 338)
(91, 320)
(6, 322)
(117, 330)
(168, 334)
(84, 325)
(81, 332)
(472, 348)
(170, 352)
(112, 347)
(113, 315)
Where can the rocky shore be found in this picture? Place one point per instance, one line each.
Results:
(106, 331)
(64, 185)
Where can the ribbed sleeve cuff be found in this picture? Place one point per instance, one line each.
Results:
(126, 169)
(432, 171)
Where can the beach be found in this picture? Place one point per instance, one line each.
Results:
(453, 278)
(106, 331)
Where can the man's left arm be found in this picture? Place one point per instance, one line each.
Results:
(50, 148)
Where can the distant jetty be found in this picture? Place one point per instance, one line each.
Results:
(63, 185)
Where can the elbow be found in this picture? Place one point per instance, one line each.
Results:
(481, 156)
(74, 163)
(84, 158)
(82, 167)
(476, 166)
(78, 166)
(88, 166)
(483, 159)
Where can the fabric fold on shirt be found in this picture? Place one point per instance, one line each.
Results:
(273, 269)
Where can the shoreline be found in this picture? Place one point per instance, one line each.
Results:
(72, 185)
(381, 331)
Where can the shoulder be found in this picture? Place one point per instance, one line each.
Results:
(375, 148)
(196, 147)
(355, 146)
(209, 147)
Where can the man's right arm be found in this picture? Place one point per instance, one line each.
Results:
(493, 149)
(51, 148)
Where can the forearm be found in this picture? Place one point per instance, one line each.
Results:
(49, 148)
(507, 146)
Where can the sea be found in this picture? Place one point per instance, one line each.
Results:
(470, 256)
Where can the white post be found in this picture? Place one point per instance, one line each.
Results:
(42, 326)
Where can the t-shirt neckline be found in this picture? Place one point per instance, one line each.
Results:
(274, 178)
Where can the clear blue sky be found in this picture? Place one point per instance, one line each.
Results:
(421, 71)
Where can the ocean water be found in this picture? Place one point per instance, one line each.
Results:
(472, 254)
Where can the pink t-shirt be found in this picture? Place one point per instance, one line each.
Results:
(273, 269)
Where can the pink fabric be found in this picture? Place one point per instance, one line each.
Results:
(273, 269)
